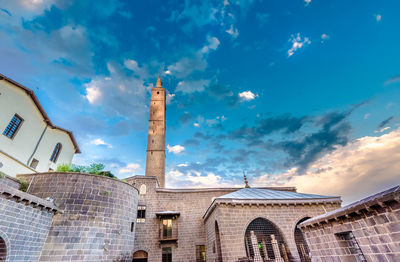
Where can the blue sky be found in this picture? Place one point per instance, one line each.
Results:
(287, 91)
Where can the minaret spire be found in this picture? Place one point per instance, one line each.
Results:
(155, 161)
(159, 83)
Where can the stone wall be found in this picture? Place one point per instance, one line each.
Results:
(25, 221)
(191, 203)
(233, 221)
(97, 220)
(374, 222)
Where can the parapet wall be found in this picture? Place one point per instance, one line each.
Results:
(24, 222)
(97, 221)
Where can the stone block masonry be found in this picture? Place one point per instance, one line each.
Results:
(368, 230)
(96, 224)
(25, 222)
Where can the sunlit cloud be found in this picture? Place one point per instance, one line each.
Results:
(369, 164)
(100, 142)
(177, 149)
(247, 95)
(233, 31)
(130, 168)
(297, 42)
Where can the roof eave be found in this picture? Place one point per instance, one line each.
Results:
(31, 93)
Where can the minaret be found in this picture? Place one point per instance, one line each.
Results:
(155, 161)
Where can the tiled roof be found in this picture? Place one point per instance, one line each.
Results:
(268, 194)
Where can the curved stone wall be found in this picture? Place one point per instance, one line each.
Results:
(97, 221)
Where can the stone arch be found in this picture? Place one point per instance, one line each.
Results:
(301, 244)
(264, 241)
(218, 242)
(4, 246)
(140, 256)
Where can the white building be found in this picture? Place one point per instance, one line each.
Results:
(29, 141)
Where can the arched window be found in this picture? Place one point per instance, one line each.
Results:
(3, 250)
(143, 189)
(301, 244)
(263, 240)
(140, 256)
(56, 153)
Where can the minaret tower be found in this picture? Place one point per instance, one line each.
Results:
(155, 161)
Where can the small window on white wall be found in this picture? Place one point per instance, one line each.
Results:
(56, 153)
(143, 189)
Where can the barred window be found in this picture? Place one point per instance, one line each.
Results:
(348, 242)
(13, 127)
(56, 153)
(200, 253)
(141, 214)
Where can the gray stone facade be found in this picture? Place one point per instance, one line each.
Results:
(198, 213)
(233, 218)
(96, 223)
(25, 221)
(190, 203)
(368, 229)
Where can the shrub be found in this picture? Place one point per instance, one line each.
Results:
(95, 169)
(23, 186)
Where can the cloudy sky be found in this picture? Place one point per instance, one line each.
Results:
(294, 93)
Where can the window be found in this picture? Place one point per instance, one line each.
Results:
(34, 163)
(349, 242)
(132, 226)
(13, 126)
(201, 253)
(141, 214)
(56, 153)
(142, 190)
(167, 228)
(167, 254)
(158, 92)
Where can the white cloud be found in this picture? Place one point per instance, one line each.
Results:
(183, 165)
(169, 98)
(120, 96)
(213, 44)
(324, 37)
(233, 31)
(297, 42)
(367, 115)
(378, 17)
(218, 119)
(192, 86)
(93, 93)
(307, 2)
(247, 95)
(100, 142)
(177, 149)
(196, 62)
(382, 129)
(363, 167)
(129, 168)
(196, 124)
(133, 65)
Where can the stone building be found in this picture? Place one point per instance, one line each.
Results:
(83, 217)
(30, 142)
(367, 230)
(214, 224)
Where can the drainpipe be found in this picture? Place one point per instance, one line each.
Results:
(37, 145)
